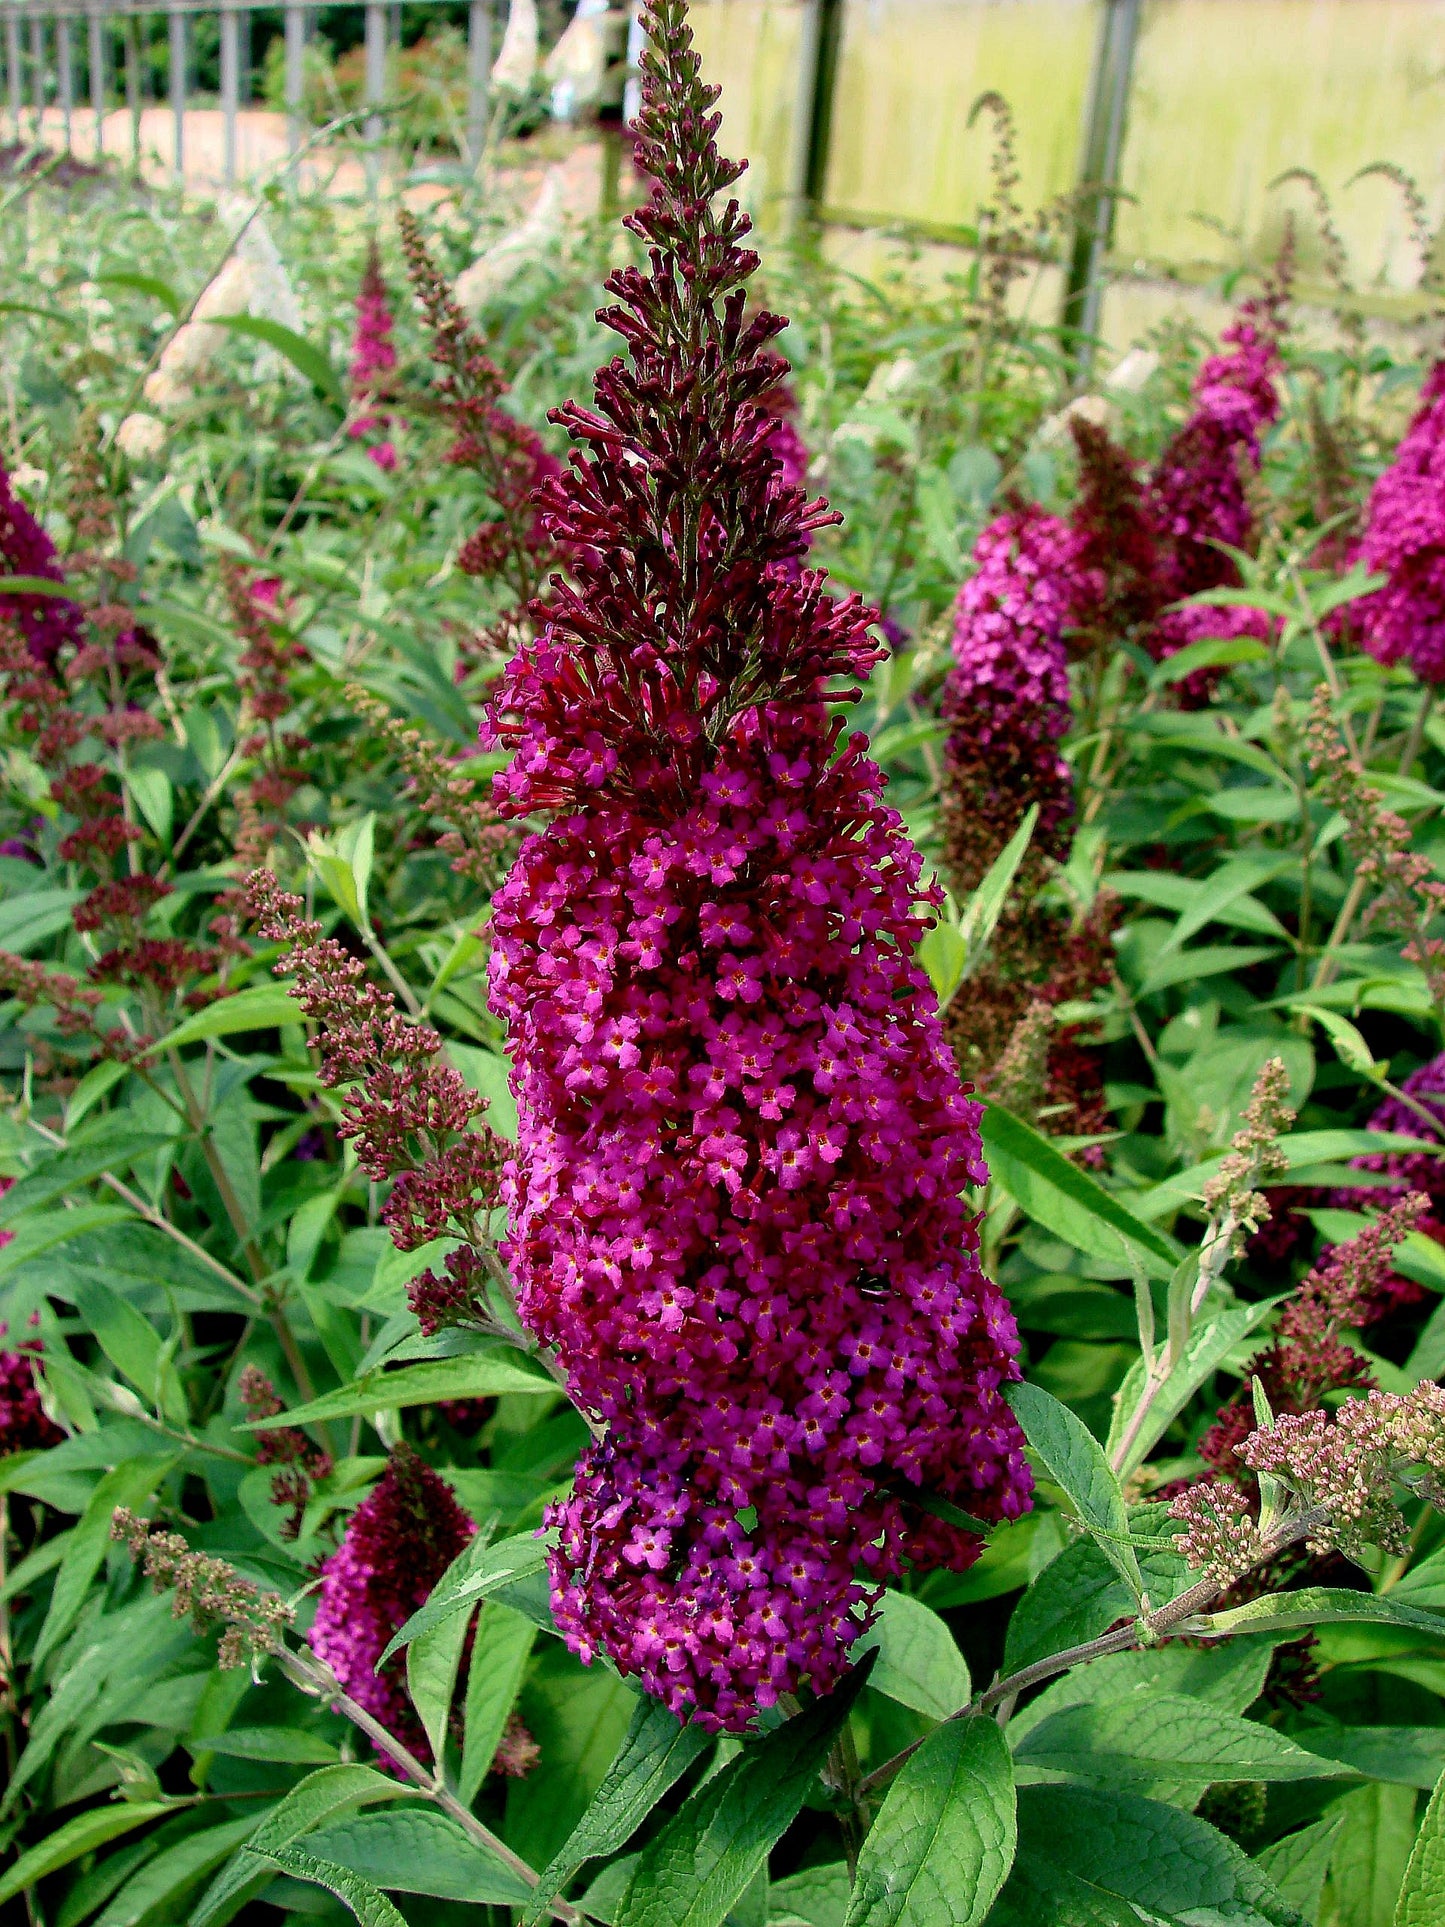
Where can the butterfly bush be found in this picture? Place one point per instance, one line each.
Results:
(1007, 693)
(399, 1542)
(1404, 540)
(735, 1204)
(25, 1425)
(373, 360)
(46, 622)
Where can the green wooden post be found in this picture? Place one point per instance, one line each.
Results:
(823, 44)
(1104, 125)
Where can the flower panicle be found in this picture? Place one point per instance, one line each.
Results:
(398, 1543)
(735, 1206)
(412, 1118)
(209, 1591)
(1232, 1197)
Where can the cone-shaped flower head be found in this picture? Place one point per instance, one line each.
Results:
(1197, 497)
(735, 1202)
(400, 1541)
(46, 622)
(373, 357)
(1007, 694)
(1405, 540)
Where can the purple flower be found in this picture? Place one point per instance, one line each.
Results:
(46, 622)
(1197, 496)
(736, 1199)
(1007, 694)
(25, 1426)
(373, 357)
(400, 1541)
(1411, 1171)
(1405, 540)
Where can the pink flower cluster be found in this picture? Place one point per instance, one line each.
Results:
(373, 357)
(1197, 496)
(25, 1426)
(1405, 540)
(735, 1202)
(46, 622)
(399, 1542)
(1008, 690)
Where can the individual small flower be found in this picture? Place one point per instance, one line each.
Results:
(399, 1542)
(25, 1425)
(46, 622)
(1404, 540)
(373, 362)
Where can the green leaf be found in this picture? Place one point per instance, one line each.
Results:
(498, 1566)
(83, 1834)
(1074, 1459)
(816, 1897)
(654, 1755)
(981, 913)
(1205, 1351)
(918, 1663)
(1400, 1755)
(155, 798)
(310, 1803)
(148, 284)
(1315, 1606)
(1210, 652)
(129, 1484)
(705, 1858)
(1422, 1892)
(943, 1842)
(305, 357)
(1089, 1859)
(370, 1906)
(1168, 1738)
(155, 1893)
(431, 1677)
(487, 1374)
(109, 1144)
(498, 1665)
(262, 1007)
(417, 1850)
(1371, 1857)
(1230, 1675)
(132, 1344)
(1298, 1863)
(41, 585)
(34, 918)
(289, 1745)
(1066, 1200)
(60, 1228)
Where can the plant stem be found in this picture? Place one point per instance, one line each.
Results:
(315, 1678)
(1145, 1630)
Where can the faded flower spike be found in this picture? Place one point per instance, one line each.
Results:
(212, 1592)
(735, 1202)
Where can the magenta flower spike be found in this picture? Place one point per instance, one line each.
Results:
(373, 357)
(46, 622)
(1405, 541)
(736, 1198)
(399, 1542)
(1197, 496)
(25, 1425)
(1007, 694)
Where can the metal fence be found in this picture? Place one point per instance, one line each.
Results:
(42, 40)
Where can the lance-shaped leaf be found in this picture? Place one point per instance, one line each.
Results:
(708, 1854)
(310, 1803)
(1422, 1893)
(943, 1842)
(486, 1374)
(1167, 1737)
(1074, 1459)
(458, 1589)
